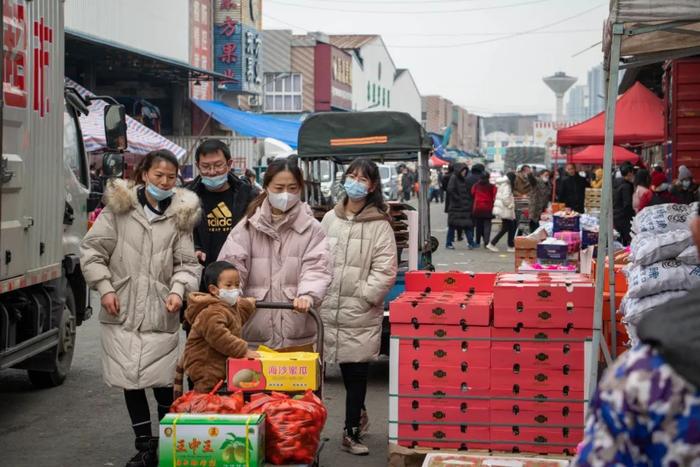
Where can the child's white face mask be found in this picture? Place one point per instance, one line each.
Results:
(229, 296)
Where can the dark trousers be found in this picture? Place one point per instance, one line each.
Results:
(534, 226)
(139, 412)
(407, 194)
(459, 231)
(434, 195)
(355, 380)
(442, 195)
(508, 226)
(625, 232)
(483, 230)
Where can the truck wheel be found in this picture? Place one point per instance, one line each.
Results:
(64, 350)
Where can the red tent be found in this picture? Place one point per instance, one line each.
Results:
(594, 155)
(639, 118)
(437, 162)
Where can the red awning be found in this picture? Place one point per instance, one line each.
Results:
(594, 155)
(437, 162)
(639, 119)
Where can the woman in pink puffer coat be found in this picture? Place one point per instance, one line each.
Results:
(282, 255)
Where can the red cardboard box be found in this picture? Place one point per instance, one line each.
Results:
(538, 348)
(535, 439)
(426, 382)
(442, 308)
(444, 436)
(524, 412)
(444, 410)
(518, 393)
(561, 316)
(442, 345)
(455, 281)
(515, 291)
(540, 379)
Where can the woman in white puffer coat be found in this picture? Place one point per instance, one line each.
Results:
(504, 209)
(363, 248)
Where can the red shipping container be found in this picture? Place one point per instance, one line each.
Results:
(523, 412)
(542, 379)
(442, 308)
(538, 348)
(434, 380)
(444, 410)
(536, 439)
(444, 436)
(456, 281)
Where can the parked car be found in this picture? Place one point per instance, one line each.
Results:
(390, 181)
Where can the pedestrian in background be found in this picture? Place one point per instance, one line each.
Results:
(504, 209)
(434, 186)
(251, 178)
(685, 189)
(406, 183)
(281, 254)
(484, 194)
(441, 178)
(459, 206)
(572, 189)
(642, 191)
(522, 185)
(661, 189)
(472, 179)
(623, 208)
(540, 196)
(598, 180)
(363, 249)
(139, 256)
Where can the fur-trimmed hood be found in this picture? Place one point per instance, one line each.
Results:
(121, 197)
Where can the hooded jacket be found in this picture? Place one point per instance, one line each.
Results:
(522, 187)
(215, 336)
(365, 265)
(484, 195)
(459, 209)
(142, 262)
(242, 194)
(278, 264)
(504, 206)
(540, 196)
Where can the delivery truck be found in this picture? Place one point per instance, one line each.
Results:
(44, 195)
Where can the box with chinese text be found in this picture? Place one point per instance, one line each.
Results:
(274, 371)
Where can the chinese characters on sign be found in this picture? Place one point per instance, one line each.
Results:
(15, 53)
(237, 48)
(200, 52)
(285, 370)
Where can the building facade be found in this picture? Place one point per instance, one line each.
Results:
(406, 98)
(577, 106)
(439, 114)
(596, 90)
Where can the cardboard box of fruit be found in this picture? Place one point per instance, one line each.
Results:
(475, 460)
(214, 440)
(274, 371)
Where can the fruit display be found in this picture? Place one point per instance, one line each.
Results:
(212, 440)
(274, 371)
(195, 402)
(293, 425)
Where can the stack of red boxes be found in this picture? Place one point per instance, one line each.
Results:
(541, 326)
(440, 360)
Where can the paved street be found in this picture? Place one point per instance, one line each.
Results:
(84, 423)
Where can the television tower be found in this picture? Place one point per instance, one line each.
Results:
(559, 82)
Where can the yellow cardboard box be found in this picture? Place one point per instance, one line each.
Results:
(274, 371)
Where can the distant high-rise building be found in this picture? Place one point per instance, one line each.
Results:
(576, 107)
(596, 90)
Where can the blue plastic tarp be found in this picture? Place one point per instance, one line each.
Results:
(250, 124)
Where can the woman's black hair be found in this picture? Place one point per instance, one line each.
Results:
(642, 178)
(213, 272)
(150, 160)
(485, 178)
(288, 164)
(370, 170)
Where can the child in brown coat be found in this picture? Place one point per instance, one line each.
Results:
(217, 319)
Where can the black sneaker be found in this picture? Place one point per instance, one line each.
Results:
(147, 455)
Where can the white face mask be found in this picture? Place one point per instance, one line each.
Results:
(229, 296)
(283, 201)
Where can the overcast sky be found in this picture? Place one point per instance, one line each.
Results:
(503, 75)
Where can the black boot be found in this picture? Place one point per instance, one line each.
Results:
(147, 455)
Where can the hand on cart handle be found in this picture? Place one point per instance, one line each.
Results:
(302, 304)
(251, 354)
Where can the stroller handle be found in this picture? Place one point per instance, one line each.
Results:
(313, 313)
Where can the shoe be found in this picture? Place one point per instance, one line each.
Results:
(475, 245)
(364, 423)
(492, 248)
(510, 250)
(353, 444)
(449, 247)
(147, 455)
(469, 246)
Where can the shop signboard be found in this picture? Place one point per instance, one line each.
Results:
(237, 48)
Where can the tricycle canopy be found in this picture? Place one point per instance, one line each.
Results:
(343, 136)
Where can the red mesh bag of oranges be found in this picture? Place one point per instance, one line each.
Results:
(197, 402)
(292, 425)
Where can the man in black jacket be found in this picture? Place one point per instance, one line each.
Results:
(224, 199)
(572, 189)
(623, 210)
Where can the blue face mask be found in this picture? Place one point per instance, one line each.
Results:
(355, 189)
(215, 182)
(157, 193)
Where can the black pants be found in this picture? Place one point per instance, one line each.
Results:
(483, 230)
(139, 412)
(508, 226)
(534, 226)
(407, 195)
(625, 232)
(355, 379)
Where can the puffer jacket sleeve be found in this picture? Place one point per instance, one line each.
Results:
(186, 269)
(382, 273)
(316, 273)
(236, 250)
(246, 308)
(212, 325)
(95, 251)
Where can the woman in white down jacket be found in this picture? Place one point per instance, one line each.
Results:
(139, 256)
(504, 209)
(363, 249)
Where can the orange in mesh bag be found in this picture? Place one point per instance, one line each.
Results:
(197, 402)
(292, 426)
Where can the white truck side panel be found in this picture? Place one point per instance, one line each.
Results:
(33, 199)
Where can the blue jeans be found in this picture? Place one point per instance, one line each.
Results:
(451, 235)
